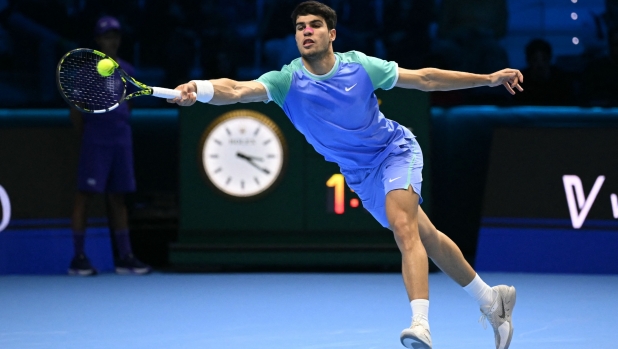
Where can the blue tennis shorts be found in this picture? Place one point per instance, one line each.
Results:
(400, 170)
(106, 168)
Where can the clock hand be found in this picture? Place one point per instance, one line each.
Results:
(243, 156)
(258, 167)
(250, 160)
(249, 157)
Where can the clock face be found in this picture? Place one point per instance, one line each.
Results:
(243, 153)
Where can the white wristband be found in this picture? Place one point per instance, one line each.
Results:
(205, 90)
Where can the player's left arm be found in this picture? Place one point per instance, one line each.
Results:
(432, 79)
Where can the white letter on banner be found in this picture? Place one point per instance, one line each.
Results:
(5, 206)
(614, 199)
(576, 198)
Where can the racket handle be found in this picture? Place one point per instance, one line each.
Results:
(166, 92)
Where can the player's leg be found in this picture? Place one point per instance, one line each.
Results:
(403, 206)
(126, 263)
(122, 180)
(444, 252)
(80, 265)
(92, 172)
(496, 303)
(402, 213)
(118, 224)
(119, 219)
(400, 177)
(80, 212)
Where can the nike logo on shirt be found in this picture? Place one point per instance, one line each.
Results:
(347, 89)
(393, 179)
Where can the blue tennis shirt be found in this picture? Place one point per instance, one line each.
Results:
(338, 112)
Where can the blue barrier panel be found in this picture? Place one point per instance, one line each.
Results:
(48, 250)
(547, 246)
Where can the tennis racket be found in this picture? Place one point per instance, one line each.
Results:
(81, 85)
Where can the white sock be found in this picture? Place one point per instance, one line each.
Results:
(420, 308)
(480, 291)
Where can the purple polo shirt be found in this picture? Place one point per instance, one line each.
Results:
(112, 127)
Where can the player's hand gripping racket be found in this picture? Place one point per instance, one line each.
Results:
(93, 87)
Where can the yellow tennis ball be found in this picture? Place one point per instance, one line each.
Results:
(106, 67)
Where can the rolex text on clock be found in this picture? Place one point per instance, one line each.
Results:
(243, 154)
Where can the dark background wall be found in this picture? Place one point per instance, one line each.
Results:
(39, 152)
(172, 42)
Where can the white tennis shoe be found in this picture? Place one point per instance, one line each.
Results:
(418, 335)
(499, 315)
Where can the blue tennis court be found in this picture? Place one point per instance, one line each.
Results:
(292, 311)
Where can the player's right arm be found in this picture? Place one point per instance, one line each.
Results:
(220, 92)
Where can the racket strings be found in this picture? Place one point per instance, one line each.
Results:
(81, 83)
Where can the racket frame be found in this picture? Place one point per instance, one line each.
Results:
(143, 89)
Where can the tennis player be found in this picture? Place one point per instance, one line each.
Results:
(105, 167)
(329, 97)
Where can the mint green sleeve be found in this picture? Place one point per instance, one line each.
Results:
(277, 84)
(383, 74)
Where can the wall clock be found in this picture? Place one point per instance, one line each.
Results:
(243, 154)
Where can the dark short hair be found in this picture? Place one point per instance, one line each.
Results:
(317, 9)
(537, 45)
